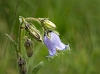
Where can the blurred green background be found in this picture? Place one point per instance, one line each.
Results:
(78, 22)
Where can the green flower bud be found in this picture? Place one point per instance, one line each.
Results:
(33, 32)
(47, 23)
(29, 47)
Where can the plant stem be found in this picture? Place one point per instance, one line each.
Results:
(19, 47)
(32, 19)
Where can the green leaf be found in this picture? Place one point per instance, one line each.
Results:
(36, 68)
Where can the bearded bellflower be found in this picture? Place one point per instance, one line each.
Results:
(53, 43)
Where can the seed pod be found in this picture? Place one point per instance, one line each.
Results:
(29, 47)
(33, 32)
(47, 23)
(22, 65)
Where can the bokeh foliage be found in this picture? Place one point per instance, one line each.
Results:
(78, 22)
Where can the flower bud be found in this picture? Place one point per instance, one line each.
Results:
(33, 32)
(22, 65)
(47, 23)
(29, 47)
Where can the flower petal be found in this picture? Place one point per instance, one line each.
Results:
(50, 45)
(57, 41)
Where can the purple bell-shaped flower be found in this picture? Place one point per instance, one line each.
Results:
(54, 43)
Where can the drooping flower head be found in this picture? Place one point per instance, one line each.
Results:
(53, 43)
(51, 38)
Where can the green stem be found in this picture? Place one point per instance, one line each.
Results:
(19, 39)
(31, 19)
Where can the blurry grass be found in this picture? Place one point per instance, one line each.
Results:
(78, 24)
